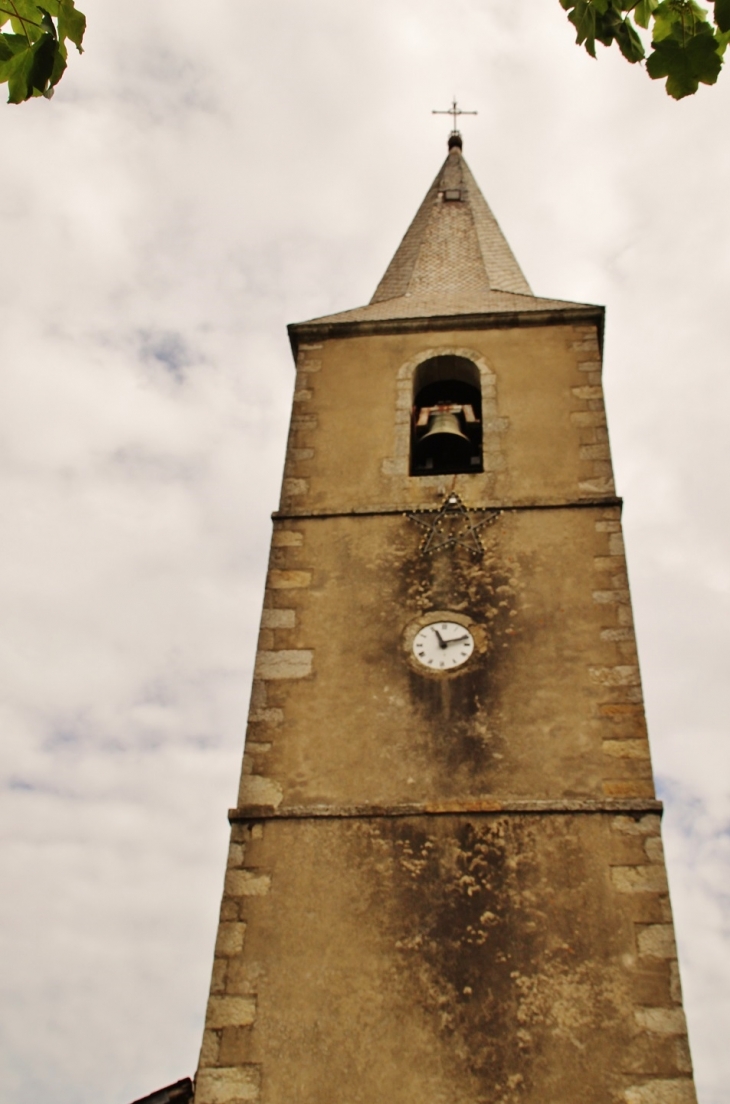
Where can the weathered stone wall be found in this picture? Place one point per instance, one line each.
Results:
(551, 706)
(499, 959)
(545, 437)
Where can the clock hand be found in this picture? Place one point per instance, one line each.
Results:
(456, 640)
(442, 643)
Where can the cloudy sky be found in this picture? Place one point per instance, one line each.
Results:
(203, 176)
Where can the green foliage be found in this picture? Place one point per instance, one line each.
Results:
(687, 47)
(33, 49)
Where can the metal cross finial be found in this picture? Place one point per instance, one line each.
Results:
(454, 111)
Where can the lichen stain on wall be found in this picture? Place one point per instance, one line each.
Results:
(493, 934)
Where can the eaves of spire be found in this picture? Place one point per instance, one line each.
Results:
(454, 260)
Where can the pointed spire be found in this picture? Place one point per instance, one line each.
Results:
(454, 247)
(453, 261)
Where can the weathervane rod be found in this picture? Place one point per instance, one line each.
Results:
(454, 111)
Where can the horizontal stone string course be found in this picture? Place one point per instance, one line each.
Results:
(446, 808)
(508, 507)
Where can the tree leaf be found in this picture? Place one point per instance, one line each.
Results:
(71, 23)
(44, 57)
(583, 18)
(34, 58)
(47, 23)
(722, 14)
(685, 65)
(643, 12)
(16, 73)
(629, 42)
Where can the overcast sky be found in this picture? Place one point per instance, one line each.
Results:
(203, 176)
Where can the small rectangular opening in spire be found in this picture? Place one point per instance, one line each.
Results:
(452, 195)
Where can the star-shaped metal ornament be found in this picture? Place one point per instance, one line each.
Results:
(452, 525)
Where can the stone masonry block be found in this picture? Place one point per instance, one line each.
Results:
(683, 1057)
(627, 693)
(229, 910)
(588, 418)
(271, 717)
(236, 852)
(230, 939)
(648, 825)
(630, 769)
(654, 849)
(627, 851)
(679, 1091)
(590, 391)
(626, 749)
(639, 879)
(279, 618)
(230, 1012)
(616, 544)
(293, 664)
(237, 1046)
(657, 941)
(621, 713)
(634, 787)
(605, 563)
(615, 676)
(661, 1021)
(293, 487)
(218, 976)
(231, 1085)
(288, 580)
(258, 790)
(675, 985)
(610, 597)
(247, 883)
(650, 989)
(209, 1049)
(594, 452)
(617, 635)
(287, 538)
(598, 486)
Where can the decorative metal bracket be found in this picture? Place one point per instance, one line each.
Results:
(451, 525)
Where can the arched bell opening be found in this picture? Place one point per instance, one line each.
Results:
(446, 431)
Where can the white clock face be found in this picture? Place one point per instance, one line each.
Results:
(443, 645)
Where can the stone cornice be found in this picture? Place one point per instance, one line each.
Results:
(307, 332)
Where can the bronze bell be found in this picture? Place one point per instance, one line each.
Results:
(444, 446)
(444, 422)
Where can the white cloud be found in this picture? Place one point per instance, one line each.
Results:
(197, 182)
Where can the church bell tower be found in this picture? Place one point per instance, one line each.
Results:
(445, 882)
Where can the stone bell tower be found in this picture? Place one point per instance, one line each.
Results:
(445, 882)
